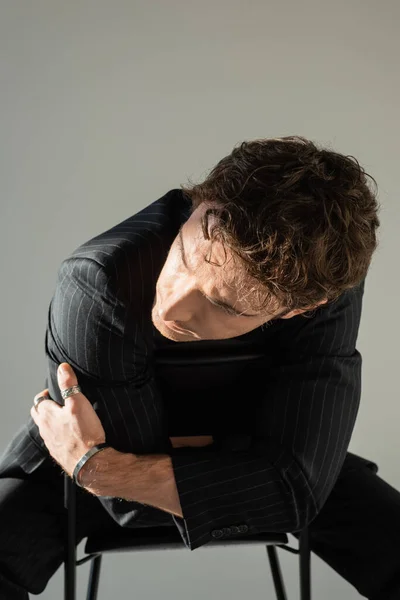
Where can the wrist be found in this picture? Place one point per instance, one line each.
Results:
(85, 457)
(95, 472)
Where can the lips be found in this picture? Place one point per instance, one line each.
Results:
(174, 327)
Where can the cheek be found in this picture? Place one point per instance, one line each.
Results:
(166, 273)
(172, 273)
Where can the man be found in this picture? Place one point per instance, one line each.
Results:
(291, 230)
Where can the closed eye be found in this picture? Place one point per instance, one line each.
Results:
(228, 311)
(225, 309)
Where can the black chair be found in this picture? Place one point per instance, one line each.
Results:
(178, 367)
(167, 538)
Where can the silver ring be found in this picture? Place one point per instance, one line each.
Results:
(75, 389)
(37, 401)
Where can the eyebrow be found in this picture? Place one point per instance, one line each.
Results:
(213, 300)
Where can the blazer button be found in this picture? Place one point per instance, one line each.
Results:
(243, 528)
(217, 533)
(234, 529)
(226, 530)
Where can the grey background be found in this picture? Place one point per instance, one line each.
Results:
(105, 106)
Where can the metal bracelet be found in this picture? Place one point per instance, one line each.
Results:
(85, 458)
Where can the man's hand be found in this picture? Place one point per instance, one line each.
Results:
(68, 431)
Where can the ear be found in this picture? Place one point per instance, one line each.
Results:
(298, 311)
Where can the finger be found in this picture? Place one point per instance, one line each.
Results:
(66, 379)
(43, 393)
(194, 441)
(43, 408)
(34, 409)
(34, 414)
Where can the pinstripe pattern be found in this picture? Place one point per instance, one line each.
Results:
(99, 322)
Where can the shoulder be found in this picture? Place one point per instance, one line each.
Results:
(331, 329)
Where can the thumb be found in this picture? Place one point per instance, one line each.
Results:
(66, 379)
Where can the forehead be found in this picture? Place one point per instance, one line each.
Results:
(230, 278)
(228, 274)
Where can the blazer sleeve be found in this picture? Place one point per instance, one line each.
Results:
(93, 330)
(282, 480)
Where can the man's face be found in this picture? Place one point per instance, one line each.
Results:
(188, 287)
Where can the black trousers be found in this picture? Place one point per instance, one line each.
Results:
(357, 532)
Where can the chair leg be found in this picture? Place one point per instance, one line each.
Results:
(70, 548)
(276, 573)
(94, 576)
(304, 560)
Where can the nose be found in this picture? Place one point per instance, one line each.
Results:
(170, 313)
(175, 309)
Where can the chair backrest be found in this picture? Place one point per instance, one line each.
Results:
(205, 387)
(207, 366)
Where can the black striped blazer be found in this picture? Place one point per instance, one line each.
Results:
(99, 321)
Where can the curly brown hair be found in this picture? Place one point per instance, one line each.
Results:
(301, 219)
